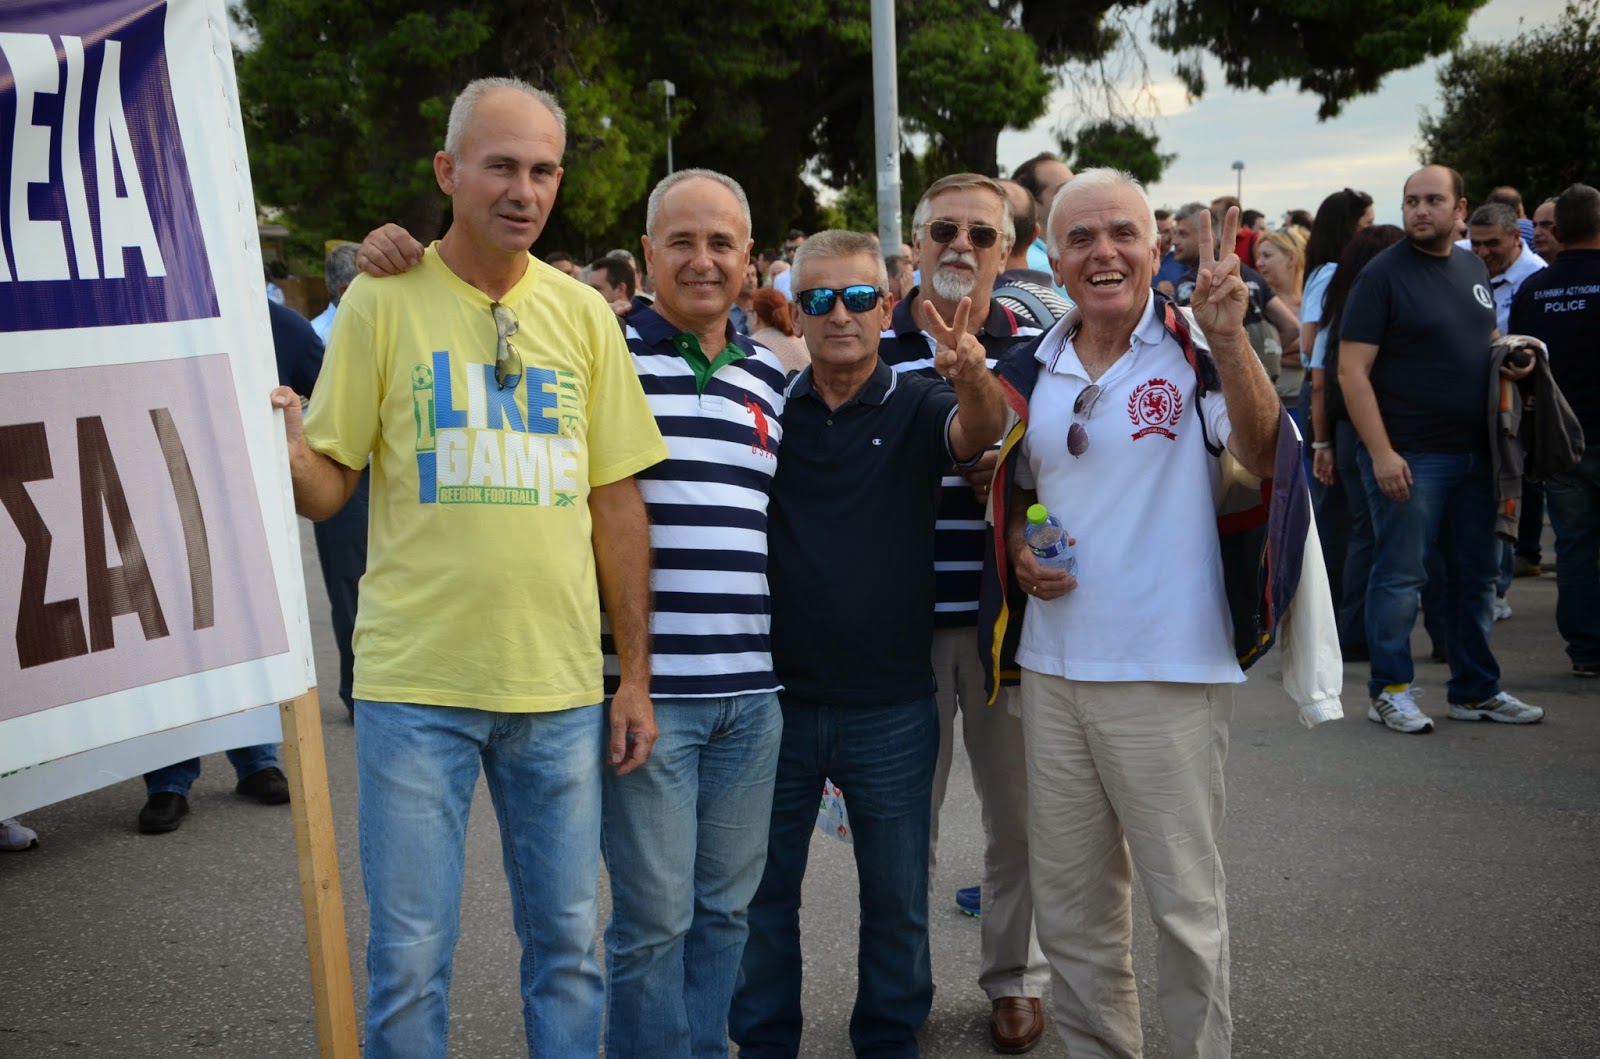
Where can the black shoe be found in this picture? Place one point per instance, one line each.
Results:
(1586, 669)
(1438, 656)
(162, 812)
(269, 787)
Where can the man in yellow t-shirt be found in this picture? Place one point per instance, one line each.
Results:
(499, 409)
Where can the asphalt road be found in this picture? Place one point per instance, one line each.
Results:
(1390, 896)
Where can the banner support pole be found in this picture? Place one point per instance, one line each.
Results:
(321, 896)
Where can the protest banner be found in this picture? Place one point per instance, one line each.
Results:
(149, 555)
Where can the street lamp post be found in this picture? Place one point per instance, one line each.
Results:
(668, 90)
(1238, 183)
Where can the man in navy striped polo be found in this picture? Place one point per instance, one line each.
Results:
(962, 232)
(685, 836)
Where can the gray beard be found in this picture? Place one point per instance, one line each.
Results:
(953, 286)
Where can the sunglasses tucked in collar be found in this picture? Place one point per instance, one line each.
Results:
(507, 361)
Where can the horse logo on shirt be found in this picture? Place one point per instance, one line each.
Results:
(1154, 407)
(763, 438)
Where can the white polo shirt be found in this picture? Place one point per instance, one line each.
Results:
(1150, 603)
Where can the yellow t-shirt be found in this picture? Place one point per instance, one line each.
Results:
(480, 587)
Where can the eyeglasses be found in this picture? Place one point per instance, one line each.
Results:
(983, 236)
(507, 361)
(858, 298)
(1077, 435)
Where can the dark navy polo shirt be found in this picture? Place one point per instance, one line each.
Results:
(297, 348)
(850, 540)
(1431, 318)
(961, 531)
(1562, 306)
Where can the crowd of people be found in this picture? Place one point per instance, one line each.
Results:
(660, 563)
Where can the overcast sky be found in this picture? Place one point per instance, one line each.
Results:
(1290, 159)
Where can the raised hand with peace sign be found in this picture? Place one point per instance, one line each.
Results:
(956, 348)
(1220, 297)
(960, 358)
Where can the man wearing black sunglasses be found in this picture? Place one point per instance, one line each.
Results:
(851, 568)
(504, 423)
(1127, 669)
(963, 229)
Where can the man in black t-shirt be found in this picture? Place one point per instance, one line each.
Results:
(1414, 366)
(1562, 306)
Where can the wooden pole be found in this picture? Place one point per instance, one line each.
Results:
(321, 896)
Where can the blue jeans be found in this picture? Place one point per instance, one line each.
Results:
(417, 766)
(685, 839)
(1574, 502)
(342, 554)
(883, 759)
(177, 779)
(1451, 508)
(1356, 565)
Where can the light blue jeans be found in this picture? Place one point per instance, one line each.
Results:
(417, 767)
(685, 841)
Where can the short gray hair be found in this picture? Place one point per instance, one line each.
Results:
(1192, 209)
(339, 269)
(461, 110)
(1495, 215)
(1104, 178)
(837, 242)
(961, 182)
(659, 193)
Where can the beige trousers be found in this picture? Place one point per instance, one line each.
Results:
(1010, 962)
(1120, 769)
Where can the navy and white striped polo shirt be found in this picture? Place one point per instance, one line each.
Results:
(711, 620)
(960, 531)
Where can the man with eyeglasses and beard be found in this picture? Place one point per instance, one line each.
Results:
(504, 422)
(851, 555)
(963, 230)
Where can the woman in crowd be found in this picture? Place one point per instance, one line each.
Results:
(1340, 216)
(1335, 467)
(1281, 259)
(774, 328)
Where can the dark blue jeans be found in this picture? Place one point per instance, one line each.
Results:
(882, 758)
(342, 554)
(1451, 509)
(1574, 501)
(177, 779)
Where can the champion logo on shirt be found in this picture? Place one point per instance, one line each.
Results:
(1154, 407)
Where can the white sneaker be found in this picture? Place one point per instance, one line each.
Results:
(14, 838)
(1398, 710)
(1507, 709)
(1502, 609)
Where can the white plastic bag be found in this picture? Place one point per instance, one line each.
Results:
(831, 816)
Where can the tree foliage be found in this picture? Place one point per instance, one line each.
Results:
(345, 100)
(1120, 144)
(1333, 49)
(1525, 113)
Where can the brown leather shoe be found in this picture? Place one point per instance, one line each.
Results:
(1016, 1023)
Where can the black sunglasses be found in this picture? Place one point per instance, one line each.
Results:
(507, 361)
(858, 298)
(1077, 435)
(983, 236)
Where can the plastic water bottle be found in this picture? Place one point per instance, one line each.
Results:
(1048, 540)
